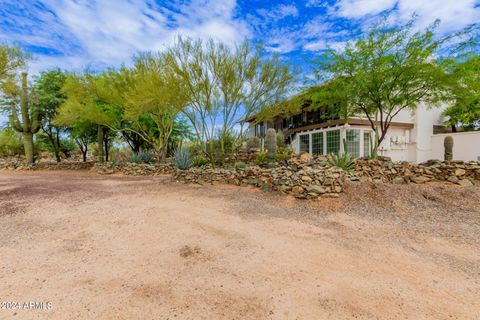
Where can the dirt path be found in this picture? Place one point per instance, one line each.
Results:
(145, 248)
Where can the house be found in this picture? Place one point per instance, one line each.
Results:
(409, 137)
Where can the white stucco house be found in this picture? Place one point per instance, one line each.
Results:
(414, 136)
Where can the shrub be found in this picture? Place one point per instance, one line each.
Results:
(262, 158)
(253, 142)
(199, 161)
(10, 142)
(182, 159)
(240, 165)
(120, 156)
(146, 156)
(283, 154)
(344, 161)
(134, 158)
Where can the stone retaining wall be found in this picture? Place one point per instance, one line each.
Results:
(303, 176)
(19, 164)
(301, 181)
(134, 169)
(458, 172)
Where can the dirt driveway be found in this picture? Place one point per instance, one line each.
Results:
(93, 247)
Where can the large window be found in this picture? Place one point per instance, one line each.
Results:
(333, 141)
(353, 142)
(367, 141)
(304, 143)
(317, 143)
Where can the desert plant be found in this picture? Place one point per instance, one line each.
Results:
(10, 142)
(343, 161)
(146, 156)
(261, 158)
(134, 158)
(199, 161)
(271, 144)
(448, 146)
(253, 142)
(283, 154)
(240, 165)
(30, 124)
(181, 158)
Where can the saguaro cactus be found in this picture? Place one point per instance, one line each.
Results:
(30, 121)
(448, 146)
(271, 144)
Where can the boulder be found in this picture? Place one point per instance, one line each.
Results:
(465, 183)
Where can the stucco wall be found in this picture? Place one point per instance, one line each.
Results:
(466, 146)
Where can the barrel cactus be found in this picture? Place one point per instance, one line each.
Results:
(271, 144)
(448, 146)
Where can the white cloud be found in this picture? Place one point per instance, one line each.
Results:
(279, 12)
(362, 8)
(453, 14)
(107, 33)
(324, 45)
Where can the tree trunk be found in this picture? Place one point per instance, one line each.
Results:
(28, 146)
(84, 154)
(106, 147)
(100, 143)
(56, 146)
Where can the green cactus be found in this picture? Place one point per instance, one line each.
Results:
(271, 144)
(448, 146)
(30, 119)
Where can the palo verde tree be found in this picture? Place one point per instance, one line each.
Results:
(85, 102)
(48, 89)
(11, 60)
(389, 70)
(225, 85)
(151, 97)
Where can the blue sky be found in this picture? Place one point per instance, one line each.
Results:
(73, 34)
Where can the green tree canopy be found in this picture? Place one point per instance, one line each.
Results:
(465, 111)
(150, 98)
(48, 90)
(88, 97)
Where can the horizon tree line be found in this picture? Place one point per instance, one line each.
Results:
(202, 90)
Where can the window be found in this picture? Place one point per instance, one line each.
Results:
(259, 130)
(317, 143)
(353, 142)
(304, 143)
(333, 141)
(367, 141)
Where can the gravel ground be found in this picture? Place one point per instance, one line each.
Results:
(119, 247)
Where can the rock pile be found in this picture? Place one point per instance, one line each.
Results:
(301, 179)
(134, 169)
(302, 176)
(18, 163)
(383, 170)
(247, 155)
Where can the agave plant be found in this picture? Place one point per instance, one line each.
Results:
(182, 159)
(146, 156)
(134, 158)
(343, 161)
